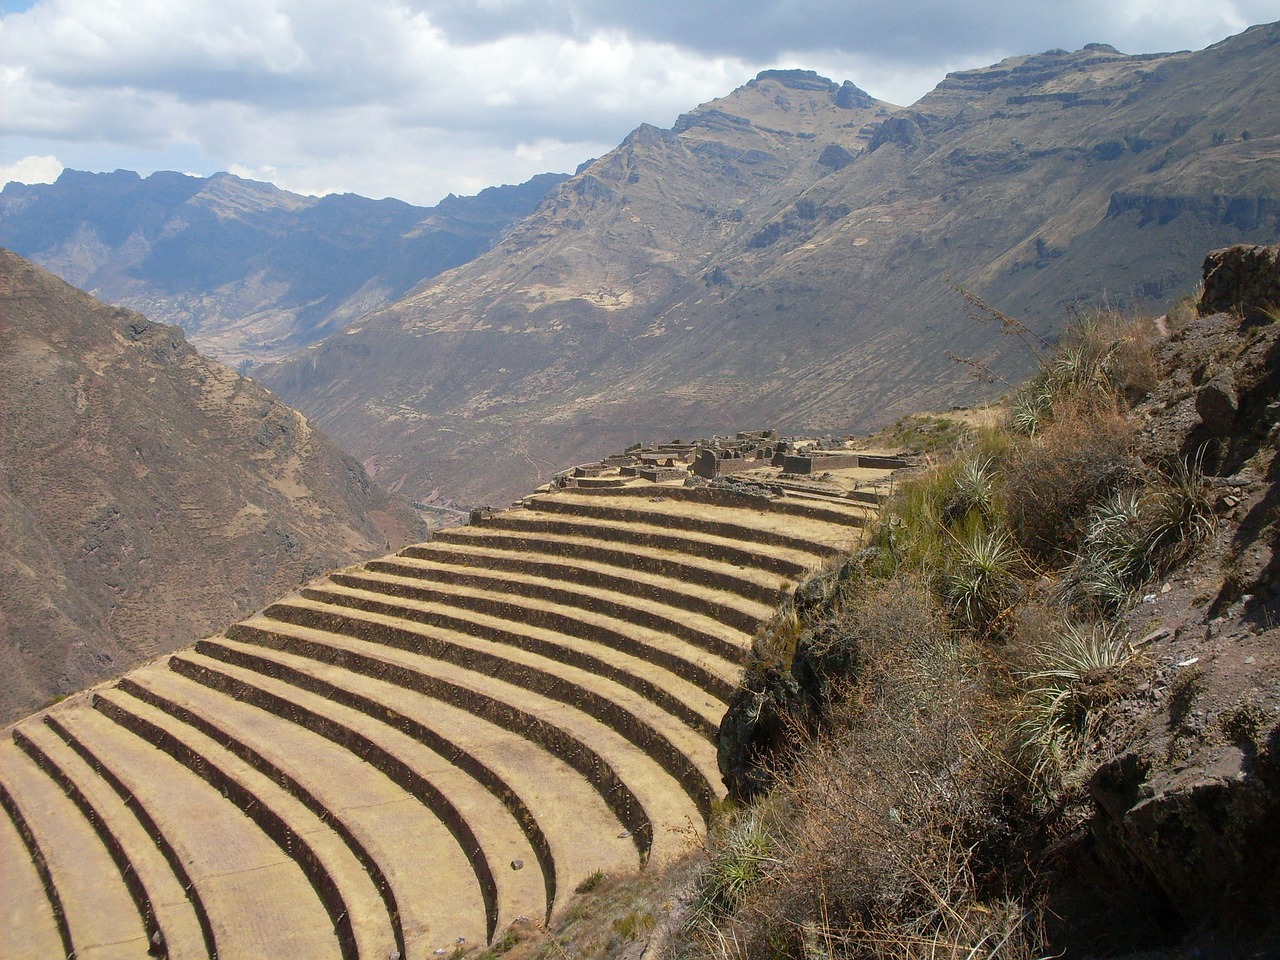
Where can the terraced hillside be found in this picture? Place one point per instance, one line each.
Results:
(408, 755)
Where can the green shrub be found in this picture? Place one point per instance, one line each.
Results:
(739, 857)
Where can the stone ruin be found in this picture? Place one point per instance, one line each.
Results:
(722, 457)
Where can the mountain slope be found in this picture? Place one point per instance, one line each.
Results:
(248, 270)
(148, 494)
(781, 255)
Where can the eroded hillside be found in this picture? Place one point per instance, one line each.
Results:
(150, 495)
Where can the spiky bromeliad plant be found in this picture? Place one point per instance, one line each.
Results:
(1138, 533)
(1064, 703)
(981, 580)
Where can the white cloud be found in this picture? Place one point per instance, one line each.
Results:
(31, 170)
(417, 98)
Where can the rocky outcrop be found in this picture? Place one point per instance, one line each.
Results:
(835, 156)
(1187, 811)
(851, 96)
(1203, 841)
(778, 707)
(1243, 278)
(799, 80)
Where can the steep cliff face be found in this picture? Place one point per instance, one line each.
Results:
(1187, 809)
(782, 254)
(150, 495)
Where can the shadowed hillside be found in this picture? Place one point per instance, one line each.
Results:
(149, 494)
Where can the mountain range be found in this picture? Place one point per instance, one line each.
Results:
(149, 495)
(792, 254)
(248, 270)
(786, 256)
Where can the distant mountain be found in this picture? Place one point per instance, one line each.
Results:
(148, 495)
(782, 255)
(249, 271)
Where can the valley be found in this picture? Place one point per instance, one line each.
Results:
(636, 608)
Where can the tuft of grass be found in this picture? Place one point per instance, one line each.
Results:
(774, 644)
(739, 859)
(1138, 533)
(591, 881)
(975, 488)
(981, 582)
(1185, 309)
(1064, 703)
(1103, 359)
(634, 925)
(1180, 507)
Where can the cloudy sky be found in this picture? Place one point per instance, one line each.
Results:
(418, 98)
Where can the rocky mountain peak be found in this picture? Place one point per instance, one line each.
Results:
(754, 259)
(798, 80)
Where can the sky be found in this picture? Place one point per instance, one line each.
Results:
(419, 98)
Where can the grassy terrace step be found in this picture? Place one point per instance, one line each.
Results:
(356, 913)
(133, 688)
(323, 752)
(170, 884)
(168, 914)
(645, 796)
(758, 525)
(571, 636)
(230, 859)
(494, 616)
(797, 503)
(416, 749)
(564, 583)
(101, 915)
(759, 585)
(531, 783)
(28, 928)
(786, 562)
(126, 872)
(555, 608)
(687, 754)
(664, 668)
